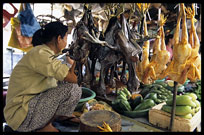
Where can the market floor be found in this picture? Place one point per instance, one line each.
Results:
(128, 125)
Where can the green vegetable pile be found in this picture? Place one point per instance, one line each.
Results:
(158, 92)
(130, 107)
(197, 91)
(186, 105)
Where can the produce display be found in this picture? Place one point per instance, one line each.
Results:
(132, 105)
(186, 105)
(122, 49)
(159, 92)
(197, 91)
(188, 87)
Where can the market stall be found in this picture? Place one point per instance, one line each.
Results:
(130, 80)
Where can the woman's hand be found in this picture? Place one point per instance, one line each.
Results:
(69, 60)
(71, 77)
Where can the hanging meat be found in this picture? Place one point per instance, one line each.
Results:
(84, 36)
(158, 64)
(193, 66)
(145, 55)
(156, 46)
(141, 66)
(181, 51)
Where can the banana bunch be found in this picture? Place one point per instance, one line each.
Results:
(105, 128)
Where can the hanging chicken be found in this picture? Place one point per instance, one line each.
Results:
(156, 46)
(141, 66)
(161, 57)
(181, 51)
(193, 66)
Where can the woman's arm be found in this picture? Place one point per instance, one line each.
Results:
(71, 77)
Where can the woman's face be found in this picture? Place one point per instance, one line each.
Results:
(62, 42)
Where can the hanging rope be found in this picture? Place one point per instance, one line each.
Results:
(51, 11)
(33, 7)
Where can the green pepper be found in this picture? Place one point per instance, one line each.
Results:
(158, 101)
(148, 103)
(152, 96)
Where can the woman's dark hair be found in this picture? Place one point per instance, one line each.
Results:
(170, 36)
(46, 33)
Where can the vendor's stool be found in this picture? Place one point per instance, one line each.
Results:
(94, 118)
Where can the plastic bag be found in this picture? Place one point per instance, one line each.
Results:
(29, 24)
(7, 15)
(17, 40)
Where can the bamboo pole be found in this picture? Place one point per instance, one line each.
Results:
(174, 107)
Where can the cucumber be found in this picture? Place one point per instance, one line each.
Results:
(187, 116)
(169, 92)
(147, 85)
(165, 94)
(158, 86)
(148, 103)
(162, 97)
(162, 90)
(162, 83)
(154, 88)
(182, 100)
(123, 93)
(180, 110)
(126, 91)
(158, 101)
(155, 91)
(125, 106)
(121, 96)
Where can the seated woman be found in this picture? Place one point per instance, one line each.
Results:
(41, 88)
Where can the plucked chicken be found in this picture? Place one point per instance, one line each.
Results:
(141, 66)
(161, 57)
(156, 46)
(181, 51)
(193, 66)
